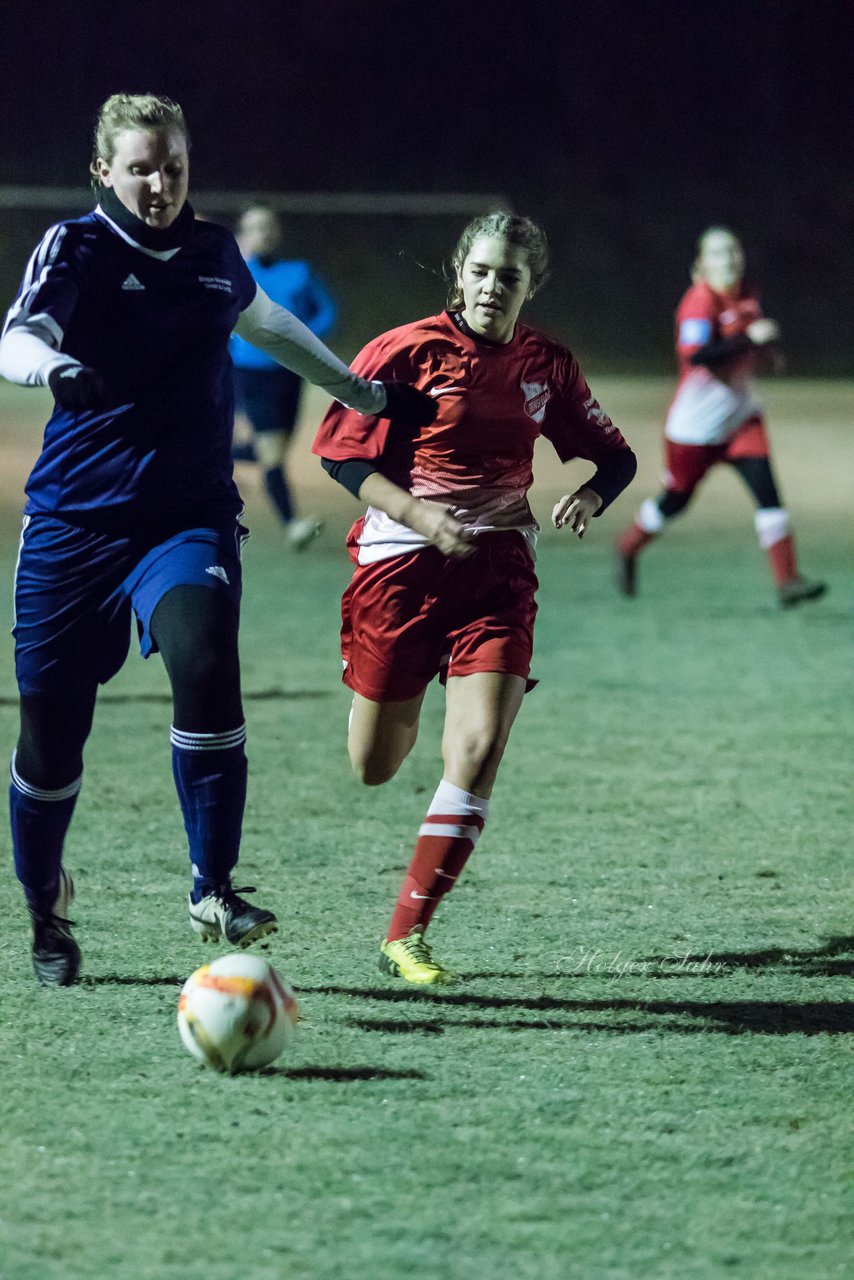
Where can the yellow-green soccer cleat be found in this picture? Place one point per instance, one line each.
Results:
(410, 958)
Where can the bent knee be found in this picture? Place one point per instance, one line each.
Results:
(476, 749)
(373, 767)
(373, 773)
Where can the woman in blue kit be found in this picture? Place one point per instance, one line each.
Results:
(266, 394)
(126, 315)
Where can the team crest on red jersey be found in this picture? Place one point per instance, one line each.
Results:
(537, 396)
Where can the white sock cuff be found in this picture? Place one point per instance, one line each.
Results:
(207, 741)
(452, 799)
(649, 517)
(41, 793)
(772, 525)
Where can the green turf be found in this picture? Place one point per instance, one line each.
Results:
(647, 1071)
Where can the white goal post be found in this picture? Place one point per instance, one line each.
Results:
(382, 203)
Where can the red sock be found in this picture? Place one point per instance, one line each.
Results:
(633, 540)
(781, 555)
(445, 841)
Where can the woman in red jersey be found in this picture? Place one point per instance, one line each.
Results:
(722, 341)
(444, 580)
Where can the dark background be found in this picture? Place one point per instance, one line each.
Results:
(625, 126)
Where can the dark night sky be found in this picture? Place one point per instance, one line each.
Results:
(329, 93)
(624, 124)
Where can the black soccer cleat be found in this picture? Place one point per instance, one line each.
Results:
(56, 955)
(798, 589)
(627, 574)
(224, 916)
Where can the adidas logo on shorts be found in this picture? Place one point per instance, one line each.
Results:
(131, 282)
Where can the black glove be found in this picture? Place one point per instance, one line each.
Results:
(408, 405)
(75, 386)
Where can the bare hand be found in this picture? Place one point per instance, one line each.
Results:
(763, 331)
(436, 523)
(575, 509)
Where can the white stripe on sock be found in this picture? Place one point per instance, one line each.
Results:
(649, 517)
(41, 793)
(207, 741)
(445, 829)
(451, 799)
(772, 524)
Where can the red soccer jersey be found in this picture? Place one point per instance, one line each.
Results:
(704, 316)
(494, 400)
(711, 404)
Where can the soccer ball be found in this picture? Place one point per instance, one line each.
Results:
(236, 1014)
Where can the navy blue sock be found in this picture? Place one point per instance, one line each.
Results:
(210, 776)
(40, 819)
(276, 484)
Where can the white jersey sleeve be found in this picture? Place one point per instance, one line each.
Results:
(281, 335)
(27, 359)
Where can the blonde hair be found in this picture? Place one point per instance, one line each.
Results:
(132, 111)
(511, 227)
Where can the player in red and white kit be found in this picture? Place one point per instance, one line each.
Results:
(444, 580)
(722, 342)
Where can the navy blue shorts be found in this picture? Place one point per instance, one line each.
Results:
(269, 398)
(75, 589)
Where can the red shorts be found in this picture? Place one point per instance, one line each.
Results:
(405, 618)
(688, 463)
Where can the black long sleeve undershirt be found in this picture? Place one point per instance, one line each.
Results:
(613, 474)
(351, 472)
(721, 350)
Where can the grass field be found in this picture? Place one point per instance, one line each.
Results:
(647, 1072)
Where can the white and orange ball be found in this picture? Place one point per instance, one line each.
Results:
(236, 1014)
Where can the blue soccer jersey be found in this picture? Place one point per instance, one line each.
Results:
(155, 324)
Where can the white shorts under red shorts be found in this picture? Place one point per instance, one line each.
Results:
(411, 617)
(687, 463)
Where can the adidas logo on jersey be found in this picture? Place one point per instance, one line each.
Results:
(217, 571)
(132, 283)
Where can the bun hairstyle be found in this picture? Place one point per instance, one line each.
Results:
(502, 226)
(131, 111)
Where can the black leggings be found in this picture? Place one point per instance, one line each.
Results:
(195, 629)
(756, 474)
